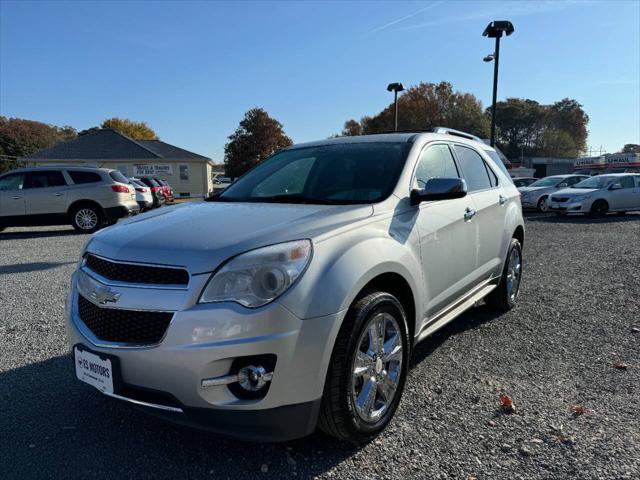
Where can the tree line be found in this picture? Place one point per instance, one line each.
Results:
(20, 137)
(524, 127)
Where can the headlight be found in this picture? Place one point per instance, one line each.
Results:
(259, 276)
(580, 198)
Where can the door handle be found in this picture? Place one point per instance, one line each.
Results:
(469, 214)
(16, 198)
(58, 194)
(503, 199)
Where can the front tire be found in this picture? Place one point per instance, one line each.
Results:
(543, 204)
(599, 208)
(87, 219)
(504, 297)
(368, 369)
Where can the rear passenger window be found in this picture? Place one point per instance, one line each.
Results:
(492, 176)
(573, 180)
(499, 163)
(44, 179)
(79, 177)
(473, 169)
(435, 161)
(118, 177)
(627, 182)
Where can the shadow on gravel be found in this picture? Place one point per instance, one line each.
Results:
(581, 219)
(55, 427)
(469, 320)
(22, 235)
(30, 267)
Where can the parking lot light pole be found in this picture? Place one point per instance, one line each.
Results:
(495, 30)
(395, 88)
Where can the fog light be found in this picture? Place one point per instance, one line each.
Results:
(249, 378)
(253, 378)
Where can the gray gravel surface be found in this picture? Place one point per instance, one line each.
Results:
(579, 305)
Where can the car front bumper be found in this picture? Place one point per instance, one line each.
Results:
(529, 204)
(568, 207)
(202, 342)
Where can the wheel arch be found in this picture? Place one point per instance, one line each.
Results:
(396, 285)
(518, 234)
(84, 203)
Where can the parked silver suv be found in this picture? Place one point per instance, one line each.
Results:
(87, 198)
(293, 299)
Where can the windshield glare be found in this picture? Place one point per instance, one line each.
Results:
(546, 182)
(601, 181)
(347, 173)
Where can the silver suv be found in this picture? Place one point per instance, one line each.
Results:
(293, 299)
(87, 198)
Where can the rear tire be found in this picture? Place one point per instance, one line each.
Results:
(503, 298)
(87, 219)
(368, 369)
(599, 208)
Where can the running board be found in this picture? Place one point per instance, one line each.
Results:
(449, 313)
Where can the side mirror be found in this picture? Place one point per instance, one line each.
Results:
(615, 186)
(440, 188)
(562, 185)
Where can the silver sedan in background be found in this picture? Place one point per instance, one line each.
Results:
(536, 195)
(599, 195)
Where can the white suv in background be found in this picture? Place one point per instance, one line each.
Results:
(87, 198)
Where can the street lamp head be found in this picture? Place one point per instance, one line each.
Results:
(496, 28)
(395, 87)
(489, 58)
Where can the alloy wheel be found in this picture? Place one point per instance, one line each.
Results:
(543, 205)
(86, 219)
(377, 367)
(514, 270)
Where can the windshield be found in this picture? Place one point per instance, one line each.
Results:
(601, 181)
(347, 173)
(546, 182)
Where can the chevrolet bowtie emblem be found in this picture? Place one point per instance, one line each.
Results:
(104, 295)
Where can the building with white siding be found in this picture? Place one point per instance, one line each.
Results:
(189, 174)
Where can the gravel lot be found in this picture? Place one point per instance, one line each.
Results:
(579, 305)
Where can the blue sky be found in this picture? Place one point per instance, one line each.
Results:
(191, 69)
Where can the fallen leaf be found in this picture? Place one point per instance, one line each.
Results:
(580, 410)
(507, 404)
(621, 365)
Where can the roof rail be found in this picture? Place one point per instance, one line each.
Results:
(457, 133)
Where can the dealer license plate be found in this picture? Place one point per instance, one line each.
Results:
(95, 371)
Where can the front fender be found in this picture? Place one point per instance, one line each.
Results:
(344, 264)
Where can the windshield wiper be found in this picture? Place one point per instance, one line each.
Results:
(287, 198)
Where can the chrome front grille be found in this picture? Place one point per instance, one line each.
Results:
(136, 273)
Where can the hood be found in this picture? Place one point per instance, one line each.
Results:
(531, 189)
(200, 236)
(574, 192)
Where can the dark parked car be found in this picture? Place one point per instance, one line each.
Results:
(156, 190)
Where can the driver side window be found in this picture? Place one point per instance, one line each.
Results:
(435, 161)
